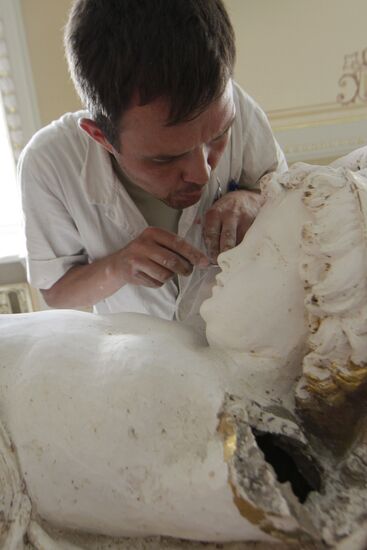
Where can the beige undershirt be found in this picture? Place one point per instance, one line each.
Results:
(155, 212)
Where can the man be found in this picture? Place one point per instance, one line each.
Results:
(126, 205)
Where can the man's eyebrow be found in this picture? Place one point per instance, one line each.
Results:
(164, 157)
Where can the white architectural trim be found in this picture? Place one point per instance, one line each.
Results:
(320, 131)
(18, 101)
(19, 63)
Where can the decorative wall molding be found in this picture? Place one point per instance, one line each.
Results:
(354, 79)
(326, 131)
(16, 298)
(9, 98)
(318, 132)
(16, 81)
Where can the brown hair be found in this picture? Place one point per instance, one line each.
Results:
(179, 49)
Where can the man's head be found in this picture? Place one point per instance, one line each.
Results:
(124, 52)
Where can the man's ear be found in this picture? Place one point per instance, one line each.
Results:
(91, 128)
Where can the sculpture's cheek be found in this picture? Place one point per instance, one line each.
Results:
(258, 306)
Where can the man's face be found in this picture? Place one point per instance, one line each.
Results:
(174, 163)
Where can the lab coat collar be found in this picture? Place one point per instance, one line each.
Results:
(97, 176)
(102, 186)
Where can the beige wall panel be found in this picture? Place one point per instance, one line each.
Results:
(290, 58)
(291, 52)
(43, 21)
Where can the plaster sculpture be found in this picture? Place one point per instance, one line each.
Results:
(129, 426)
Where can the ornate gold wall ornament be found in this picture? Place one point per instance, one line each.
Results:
(354, 79)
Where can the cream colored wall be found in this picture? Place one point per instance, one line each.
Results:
(291, 52)
(43, 21)
(290, 56)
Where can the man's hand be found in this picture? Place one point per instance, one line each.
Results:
(151, 259)
(155, 256)
(227, 221)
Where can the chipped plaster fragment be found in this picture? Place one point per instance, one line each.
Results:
(256, 492)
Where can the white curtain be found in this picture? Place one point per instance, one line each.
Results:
(19, 119)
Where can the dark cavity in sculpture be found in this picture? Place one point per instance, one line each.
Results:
(290, 463)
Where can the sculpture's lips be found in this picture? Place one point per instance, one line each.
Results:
(218, 282)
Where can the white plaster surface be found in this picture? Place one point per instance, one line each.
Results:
(113, 420)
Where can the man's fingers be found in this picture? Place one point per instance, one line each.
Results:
(144, 280)
(227, 221)
(178, 246)
(155, 256)
(150, 271)
(190, 253)
(212, 233)
(173, 262)
(228, 236)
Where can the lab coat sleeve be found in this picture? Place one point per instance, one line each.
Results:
(260, 152)
(52, 240)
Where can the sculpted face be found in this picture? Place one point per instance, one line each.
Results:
(127, 425)
(257, 303)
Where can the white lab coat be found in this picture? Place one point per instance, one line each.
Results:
(77, 211)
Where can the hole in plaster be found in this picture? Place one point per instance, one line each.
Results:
(14, 302)
(290, 464)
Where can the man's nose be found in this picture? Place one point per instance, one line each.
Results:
(198, 169)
